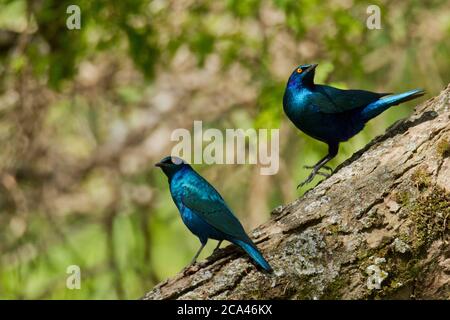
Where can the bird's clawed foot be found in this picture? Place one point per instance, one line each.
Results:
(191, 268)
(313, 167)
(313, 173)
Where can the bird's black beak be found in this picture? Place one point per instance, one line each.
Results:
(312, 67)
(159, 164)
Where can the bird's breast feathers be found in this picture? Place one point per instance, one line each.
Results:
(297, 103)
(300, 108)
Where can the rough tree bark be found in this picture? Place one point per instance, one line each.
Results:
(377, 228)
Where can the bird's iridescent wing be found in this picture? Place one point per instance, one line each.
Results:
(204, 200)
(334, 100)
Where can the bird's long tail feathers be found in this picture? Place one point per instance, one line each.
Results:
(253, 252)
(377, 107)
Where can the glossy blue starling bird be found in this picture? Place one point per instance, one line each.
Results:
(204, 211)
(332, 115)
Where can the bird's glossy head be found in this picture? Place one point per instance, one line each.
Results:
(171, 165)
(302, 76)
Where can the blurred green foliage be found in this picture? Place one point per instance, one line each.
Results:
(68, 96)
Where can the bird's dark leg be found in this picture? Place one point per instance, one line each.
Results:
(218, 245)
(332, 152)
(197, 254)
(191, 266)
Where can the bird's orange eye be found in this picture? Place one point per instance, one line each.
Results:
(299, 70)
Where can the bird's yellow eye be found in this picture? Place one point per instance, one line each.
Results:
(299, 70)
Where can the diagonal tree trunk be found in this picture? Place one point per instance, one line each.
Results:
(377, 228)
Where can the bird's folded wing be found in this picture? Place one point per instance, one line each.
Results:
(333, 100)
(212, 208)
